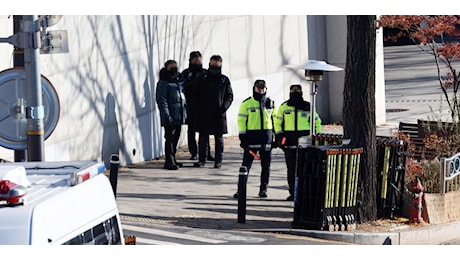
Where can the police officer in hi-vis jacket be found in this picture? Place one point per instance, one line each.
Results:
(293, 121)
(255, 126)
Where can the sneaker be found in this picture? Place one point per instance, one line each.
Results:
(218, 165)
(235, 196)
(210, 158)
(193, 158)
(198, 164)
(263, 194)
(179, 164)
(171, 167)
(290, 198)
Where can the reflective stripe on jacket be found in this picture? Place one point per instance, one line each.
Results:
(256, 120)
(294, 123)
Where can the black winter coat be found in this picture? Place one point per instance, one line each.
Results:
(189, 77)
(214, 96)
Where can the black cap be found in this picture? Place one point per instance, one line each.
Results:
(260, 83)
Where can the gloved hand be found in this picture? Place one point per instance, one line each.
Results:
(170, 119)
(243, 141)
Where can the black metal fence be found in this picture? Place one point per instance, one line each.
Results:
(391, 173)
(327, 178)
(326, 187)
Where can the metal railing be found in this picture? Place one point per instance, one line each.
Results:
(450, 173)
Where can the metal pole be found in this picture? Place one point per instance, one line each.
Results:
(312, 108)
(114, 165)
(35, 110)
(242, 181)
(443, 176)
(18, 61)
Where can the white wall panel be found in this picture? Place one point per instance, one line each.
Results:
(107, 82)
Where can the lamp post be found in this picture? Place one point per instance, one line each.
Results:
(314, 70)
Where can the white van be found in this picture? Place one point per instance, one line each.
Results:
(64, 203)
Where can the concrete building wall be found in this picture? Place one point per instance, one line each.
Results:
(327, 40)
(6, 50)
(107, 82)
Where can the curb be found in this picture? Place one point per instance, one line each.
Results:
(431, 235)
(383, 238)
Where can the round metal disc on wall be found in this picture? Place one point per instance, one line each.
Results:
(13, 103)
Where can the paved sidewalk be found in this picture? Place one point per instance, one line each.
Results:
(202, 198)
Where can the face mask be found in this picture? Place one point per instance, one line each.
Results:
(173, 72)
(295, 99)
(295, 95)
(215, 69)
(195, 67)
(259, 96)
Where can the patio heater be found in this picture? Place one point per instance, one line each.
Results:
(314, 70)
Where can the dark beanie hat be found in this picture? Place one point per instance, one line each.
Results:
(295, 87)
(194, 54)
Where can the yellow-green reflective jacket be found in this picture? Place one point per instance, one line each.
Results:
(292, 122)
(255, 120)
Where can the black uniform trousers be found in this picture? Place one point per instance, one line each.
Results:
(172, 134)
(265, 161)
(290, 155)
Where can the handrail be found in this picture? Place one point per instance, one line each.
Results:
(450, 168)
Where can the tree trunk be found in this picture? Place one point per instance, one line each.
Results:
(359, 107)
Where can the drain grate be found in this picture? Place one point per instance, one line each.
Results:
(411, 100)
(177, 221)
(396, 110)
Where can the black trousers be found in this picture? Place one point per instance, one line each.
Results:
(203, 144)
(265, 161)
(172, 134)
(192, 143)
(290, 157)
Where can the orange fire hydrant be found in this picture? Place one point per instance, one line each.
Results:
(417, 195)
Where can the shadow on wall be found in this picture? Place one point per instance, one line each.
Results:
(103, 75)
(146, 122)
(111, 142)
(114, 72)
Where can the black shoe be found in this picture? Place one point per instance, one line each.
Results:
(193, 158)
(179, 164)
(210, 158)
(198, 164)
(171, 167)
(218, 165)
(290, 198)
(235, 196)
(262, 194)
